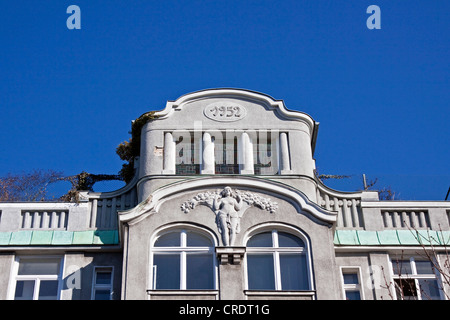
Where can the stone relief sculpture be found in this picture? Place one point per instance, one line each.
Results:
(229, 206)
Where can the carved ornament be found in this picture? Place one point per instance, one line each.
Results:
(229, 206)
(225, 111)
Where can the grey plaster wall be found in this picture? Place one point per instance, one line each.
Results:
(6, 261)
(81, 265)
(140, 231)
(358, 263)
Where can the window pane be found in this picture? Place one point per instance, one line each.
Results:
(198, 240)
(401, 267)
(260, 272)
(350, 278)
(352, 295)
(264, 159)
(24, 290)
(199, 273)
(294, 275)
(424, 267)
(166, 269)
(48, 290)
(261, 240)
(405, 289)
(289, 240)
(39, 267)
(102, 295)
(171, 239)
(226, 153)
(429, 289)
(103, 277)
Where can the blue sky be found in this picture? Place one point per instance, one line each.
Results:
(67, 97)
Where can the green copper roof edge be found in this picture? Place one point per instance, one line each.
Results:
(401, 239)
(59, 237)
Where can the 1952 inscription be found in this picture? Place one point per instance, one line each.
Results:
(225, 111)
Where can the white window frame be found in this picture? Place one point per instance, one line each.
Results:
(96, 286)
(276, 250)
(36, 278)
(413, 276)
(183, 250)
(352, 287)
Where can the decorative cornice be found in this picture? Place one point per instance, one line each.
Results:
(296, 197)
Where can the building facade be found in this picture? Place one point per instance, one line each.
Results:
(225, 204)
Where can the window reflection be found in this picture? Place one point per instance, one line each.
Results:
(277, 261)
(183, 260)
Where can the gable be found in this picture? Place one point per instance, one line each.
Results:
(231, 109)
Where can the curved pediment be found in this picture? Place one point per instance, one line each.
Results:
(226, 105)
(244, 184)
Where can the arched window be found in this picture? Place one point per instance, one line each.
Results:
(183, 259)
(277, 260)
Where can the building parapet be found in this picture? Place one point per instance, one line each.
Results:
(103, 206)
(347, 205)
(62, 216)
(382, 215)
(364, 211)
